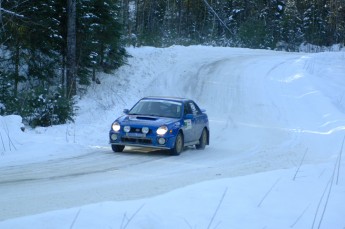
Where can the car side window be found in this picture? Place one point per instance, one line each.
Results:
(192, 108)
(187, 109)
(195, 109)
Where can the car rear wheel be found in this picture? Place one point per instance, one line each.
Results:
(202, 140)
(178, 145)
(117, 148)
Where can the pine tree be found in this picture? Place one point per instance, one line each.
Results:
(292, 35)
(99, 44)
(336, 22)
(314, 22)
(6, 98)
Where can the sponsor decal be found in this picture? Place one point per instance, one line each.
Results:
(188, 124)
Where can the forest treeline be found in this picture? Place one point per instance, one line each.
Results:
(282, 24)
(35, 49)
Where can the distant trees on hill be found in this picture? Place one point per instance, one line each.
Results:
(244, 23)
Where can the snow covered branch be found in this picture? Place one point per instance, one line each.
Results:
(11, 12)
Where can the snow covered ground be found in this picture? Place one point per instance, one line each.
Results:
(275, 161)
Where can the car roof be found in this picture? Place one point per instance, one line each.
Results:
(168, 98)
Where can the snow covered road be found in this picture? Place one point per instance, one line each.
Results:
(268, 111)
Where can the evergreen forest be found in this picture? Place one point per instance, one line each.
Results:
(50, 49)
(264, 24)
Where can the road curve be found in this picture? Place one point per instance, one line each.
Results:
(251, 131)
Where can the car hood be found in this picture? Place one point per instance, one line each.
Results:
(146, 120)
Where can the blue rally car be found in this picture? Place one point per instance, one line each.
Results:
(161, 122)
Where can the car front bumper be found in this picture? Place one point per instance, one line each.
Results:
(142, 140)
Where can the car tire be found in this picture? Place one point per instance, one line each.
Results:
(202, 140)
(179, 144)
(117, 148)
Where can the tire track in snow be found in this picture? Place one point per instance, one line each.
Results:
(91, 163)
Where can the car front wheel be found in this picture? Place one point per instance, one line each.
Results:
(178, 145)
(202, 140)
(117, 148)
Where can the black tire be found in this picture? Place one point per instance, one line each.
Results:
(179, 144)
(202, 140)
(117, 148)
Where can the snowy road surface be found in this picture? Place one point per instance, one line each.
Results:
(267, 111)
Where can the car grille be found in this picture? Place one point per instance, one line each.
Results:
(136, 140)
(138, 130)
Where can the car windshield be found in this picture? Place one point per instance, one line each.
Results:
(162, 108)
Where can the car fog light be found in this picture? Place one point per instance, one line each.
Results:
(145, 130)
(113, 137)
(161, 141)
(127, 129)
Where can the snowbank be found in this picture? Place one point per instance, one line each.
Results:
(11, 133)
(280, 199)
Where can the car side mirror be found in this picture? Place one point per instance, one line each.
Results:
(188, 116)
(203, 110)
(126, 111)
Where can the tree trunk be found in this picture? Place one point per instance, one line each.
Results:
(16, 72)
(71, 71)
(125, 16)
(0, 13)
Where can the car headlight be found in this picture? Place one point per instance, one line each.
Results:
(162, 130)
(116, 126)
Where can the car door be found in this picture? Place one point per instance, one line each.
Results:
(198, 121)
(189, 122)
(193, 122)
